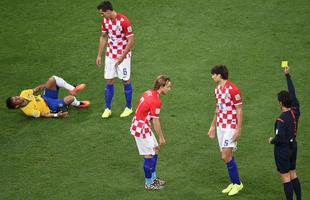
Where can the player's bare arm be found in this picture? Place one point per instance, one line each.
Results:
(55, 115)
(39, 88)
(211, 132)
(158, 130)
(102, 42)
(126, 51)
(239, 126)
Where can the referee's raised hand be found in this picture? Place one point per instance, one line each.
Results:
(286, 70)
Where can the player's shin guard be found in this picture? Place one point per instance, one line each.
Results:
(296, 188)
(128, 94)
(288, 190)
(154, 162)
(147, 166)
(232, 169)
(109, 93)
(62, 83)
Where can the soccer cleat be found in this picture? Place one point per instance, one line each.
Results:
(227, 190)
(159, 181)
(126, 112)
(107, 113)
(153, 186)
(235, 189)
(77, 88)
(84, 104)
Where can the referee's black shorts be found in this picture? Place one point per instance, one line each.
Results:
(285, 157)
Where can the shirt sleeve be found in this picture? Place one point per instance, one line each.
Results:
(236, 96)
(291, 90)
(103, 29)
(155, 109)
(280, 133)
(126, 25)
(27, 94)
(32, 113)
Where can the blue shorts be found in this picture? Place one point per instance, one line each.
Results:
(51, 98)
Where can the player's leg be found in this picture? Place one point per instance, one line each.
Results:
(287, 185)
(296, 184)
(71, 100)
(60, 82)
(109, 75)
(220, 133)
(293, 176)
(146, 149)
(148, 168)
(123, 71)
(155, 178)
(227, 156)
(282, 161)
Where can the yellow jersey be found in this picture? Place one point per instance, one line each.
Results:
(36, 104)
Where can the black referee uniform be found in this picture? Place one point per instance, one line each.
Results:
(285, 145)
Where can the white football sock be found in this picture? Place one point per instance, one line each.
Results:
(62, 83)
(75, 102)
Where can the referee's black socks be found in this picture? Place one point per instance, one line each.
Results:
(296, 188)
(288, 190)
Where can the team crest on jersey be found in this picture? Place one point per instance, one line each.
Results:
(149, 93)
(157, 111)
(277, 131)
(129, 29)
(30, 96)
(237, 97)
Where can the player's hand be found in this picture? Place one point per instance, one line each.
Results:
(270, 139)
(119, 61)
(98, 60)
(162, 141)
(236, 135)
(62, 114)
(211, 133)
(286, 70)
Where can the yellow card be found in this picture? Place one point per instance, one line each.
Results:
(284, 63)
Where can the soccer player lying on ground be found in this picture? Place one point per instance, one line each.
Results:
(47, 105)
(285, 144)
(228, 123)
(148, 110)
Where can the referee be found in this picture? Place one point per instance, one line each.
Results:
(285, 145)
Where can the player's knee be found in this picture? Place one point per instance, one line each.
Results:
(293, 174)
(126, 82)
(51, 82)
(226, 158)
(69, 99)
(157, 149)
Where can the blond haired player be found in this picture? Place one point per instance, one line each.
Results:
(147, 111)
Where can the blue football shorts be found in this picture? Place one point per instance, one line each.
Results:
(51, 98)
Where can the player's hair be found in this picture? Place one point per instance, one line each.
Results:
(285, 98)
(105, 5)
(220, 69)
(9, 103)
(161, 81)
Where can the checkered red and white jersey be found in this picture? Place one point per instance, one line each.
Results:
(226, 99)
(148, 107)
(118, 30)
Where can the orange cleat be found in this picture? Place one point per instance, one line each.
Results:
(84, 104)
(77, 88)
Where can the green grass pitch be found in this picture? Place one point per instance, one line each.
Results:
(86, 157)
